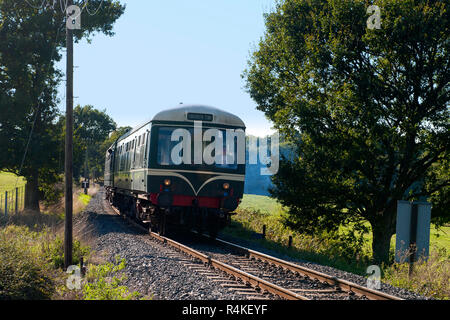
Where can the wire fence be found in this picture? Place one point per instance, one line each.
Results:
(12, 201)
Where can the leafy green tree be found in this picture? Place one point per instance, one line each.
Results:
(91, 128)
(116, 134)
(31, 39)
(366, 108)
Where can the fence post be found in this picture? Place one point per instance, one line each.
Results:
(24, 196)
(6, 203)
(290, 242)
(17, 199)
(264, 232)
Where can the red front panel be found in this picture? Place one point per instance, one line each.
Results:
(187, 201)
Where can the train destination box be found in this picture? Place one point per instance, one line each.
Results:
(413, 229)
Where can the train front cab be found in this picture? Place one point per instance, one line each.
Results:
(201, 196)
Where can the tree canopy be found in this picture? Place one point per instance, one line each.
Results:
(31, 39)
(91, 128)
(366, 108)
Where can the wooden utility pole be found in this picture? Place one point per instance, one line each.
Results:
(69, 146)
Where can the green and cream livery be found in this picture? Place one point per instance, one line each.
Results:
(186, 167)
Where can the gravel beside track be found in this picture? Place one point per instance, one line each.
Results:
(152, 268)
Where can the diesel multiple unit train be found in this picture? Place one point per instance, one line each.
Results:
(145, 180)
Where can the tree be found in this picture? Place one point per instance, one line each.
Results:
(91, 128)
(31, 40)
(366, 108)
(116, 134)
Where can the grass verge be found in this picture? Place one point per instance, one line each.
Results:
(32, 258)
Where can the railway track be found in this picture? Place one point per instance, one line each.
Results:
(297, 278)
(261, 276)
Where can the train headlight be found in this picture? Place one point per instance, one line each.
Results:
(167, 182)
(226, 186)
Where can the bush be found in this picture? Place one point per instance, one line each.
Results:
(23, 271)
(51, 192)
(430, 278)
(55, 252)
(29, 261)
(103, 282)
(30, 269)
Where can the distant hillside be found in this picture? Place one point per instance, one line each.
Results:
(258, 184)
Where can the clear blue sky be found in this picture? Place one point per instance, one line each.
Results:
(167, 52)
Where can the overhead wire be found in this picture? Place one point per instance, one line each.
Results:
(87, 8)
(63, 5)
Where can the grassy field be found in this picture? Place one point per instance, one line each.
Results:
(262, 203)
(8, 181)
(438, 237)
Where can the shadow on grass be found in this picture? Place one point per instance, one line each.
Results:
(34, 220)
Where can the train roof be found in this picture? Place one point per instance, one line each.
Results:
(181, 114)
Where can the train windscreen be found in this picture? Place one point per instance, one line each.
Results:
(172, 147)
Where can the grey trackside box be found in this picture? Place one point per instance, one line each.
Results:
(413, 228)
